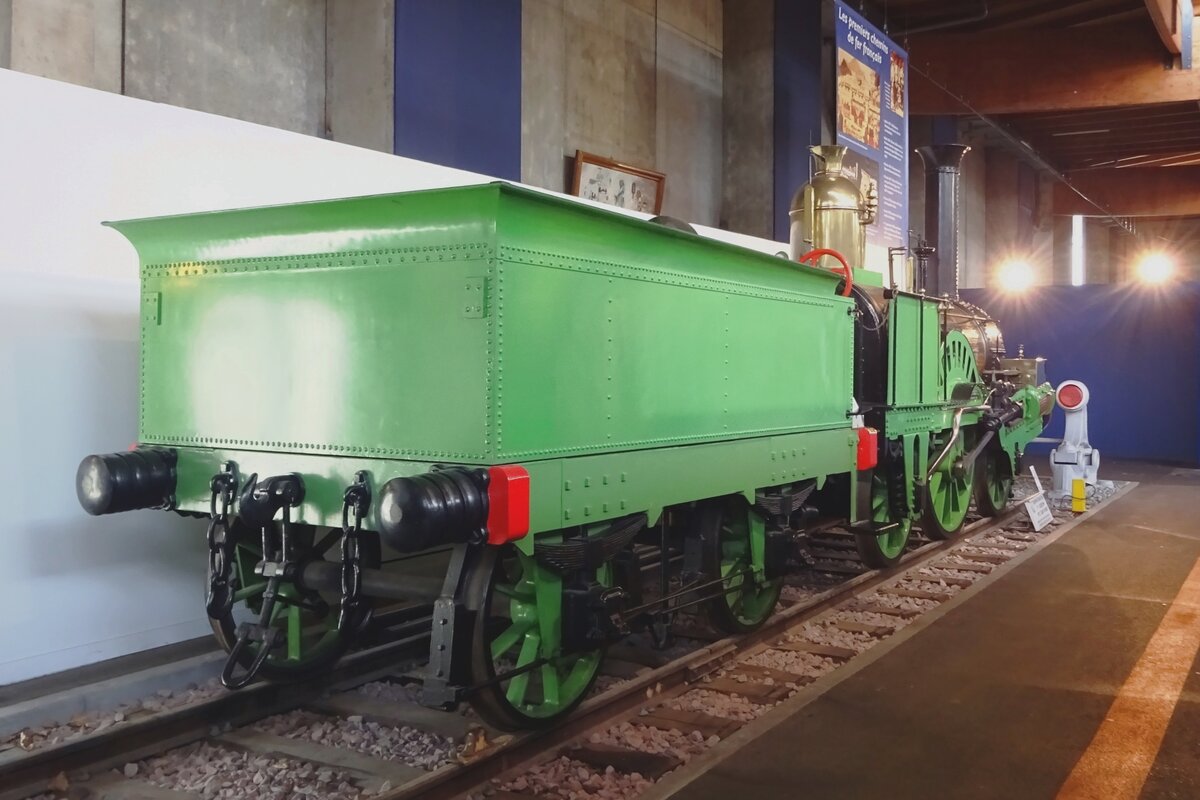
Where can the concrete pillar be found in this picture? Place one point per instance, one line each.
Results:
(1001, 241)
(1060, 252)
(257, 60)
(747, 193)
(5, 33)
(688, 108)
(588, 82)
(1096, 253)
(76, 41)
(544, 160)
(1119, 247)
(360, 60)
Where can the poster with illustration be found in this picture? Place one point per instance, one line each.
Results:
(872, 104)
(616, 184)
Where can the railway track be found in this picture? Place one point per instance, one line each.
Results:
(358, 732)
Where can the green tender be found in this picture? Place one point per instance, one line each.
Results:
(627, 365)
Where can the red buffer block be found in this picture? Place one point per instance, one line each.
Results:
(508, 504)
(868, 448)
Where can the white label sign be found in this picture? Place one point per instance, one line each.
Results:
(1036, 506)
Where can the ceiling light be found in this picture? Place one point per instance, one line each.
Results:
(1154, 267)
(1015, 275)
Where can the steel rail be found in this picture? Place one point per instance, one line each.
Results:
(23, 774)
(26, 773)
(456, 780)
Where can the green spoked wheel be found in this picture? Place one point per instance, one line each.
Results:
(884, 550)
(518, 624)
(733, 542)
(993, 481)
(948, 493)
(307, 620)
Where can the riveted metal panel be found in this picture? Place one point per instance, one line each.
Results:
(617, 335)
(487, 325)
(334, 328)
(914, 346)
(596, 488)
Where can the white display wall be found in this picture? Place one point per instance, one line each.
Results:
(76, 589)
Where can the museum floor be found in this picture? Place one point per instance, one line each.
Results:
(1067, 678)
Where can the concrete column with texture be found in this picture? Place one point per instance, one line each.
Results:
(1097, 251)
(688, 132)
(5, 33)
(360, 72)
(1060, 251)
(76, 41)
(1002, 240)
(611, 90)
(544, 161)
(614, 79)
(257, 60)
(748, 117)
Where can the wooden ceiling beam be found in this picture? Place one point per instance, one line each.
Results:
(1068, 14)
(1120, 151)
(1104, 146)
(1133, 130)
(1126, 118)
(1165, 15)
(1032, 71)
(1175, 159)
(1133, 192)
(1133, 15)
(1108, 114)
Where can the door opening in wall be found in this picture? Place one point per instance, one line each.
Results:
(1078, 267)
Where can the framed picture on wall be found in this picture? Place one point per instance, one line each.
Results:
(616, 184)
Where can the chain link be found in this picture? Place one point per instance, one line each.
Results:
(358, 500)
(220, 546)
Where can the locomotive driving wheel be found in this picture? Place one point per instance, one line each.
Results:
(306, 620)
(518, 629)
(993, 481)
(948, 492)
(884, 550)
(733, 541)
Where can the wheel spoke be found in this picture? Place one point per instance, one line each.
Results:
(509, 637)
(249, 591)
(550, 688)
(515, 593)
(295, 633)
(581, 672)
(519, 686)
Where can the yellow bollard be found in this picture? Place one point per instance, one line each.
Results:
(1078, 495)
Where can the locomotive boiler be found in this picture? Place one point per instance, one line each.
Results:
(535, 393)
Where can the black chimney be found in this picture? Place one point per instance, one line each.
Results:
(942, 166)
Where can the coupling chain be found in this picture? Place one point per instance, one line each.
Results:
(219, 601)
(357, 499)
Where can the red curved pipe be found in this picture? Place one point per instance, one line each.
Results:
(813, 255)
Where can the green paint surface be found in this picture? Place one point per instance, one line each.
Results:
(483, 325)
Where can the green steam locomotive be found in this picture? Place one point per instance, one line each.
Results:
(587, 421)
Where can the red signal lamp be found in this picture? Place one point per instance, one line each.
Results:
(1070, 396)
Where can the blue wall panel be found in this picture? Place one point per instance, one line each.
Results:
(798, 101)
(458, 84)
(1138, 351)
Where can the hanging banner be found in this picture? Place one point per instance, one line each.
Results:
(872, 122)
